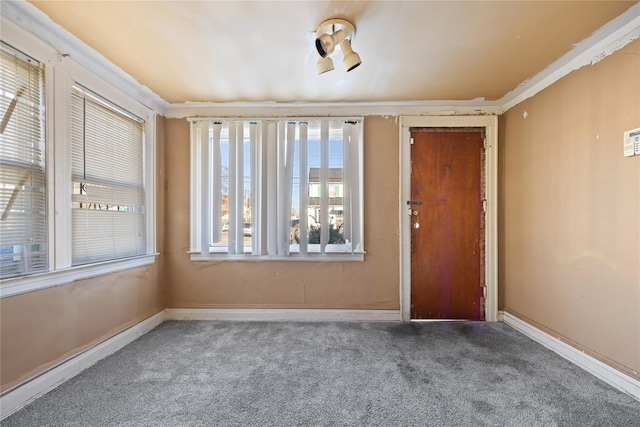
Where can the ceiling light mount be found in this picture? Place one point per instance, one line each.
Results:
(334, 33)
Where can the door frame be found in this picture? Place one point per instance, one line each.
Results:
(490, 125)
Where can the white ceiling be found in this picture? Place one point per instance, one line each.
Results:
(257, 51)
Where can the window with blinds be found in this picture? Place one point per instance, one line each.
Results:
(107, 169)
(277, 188)
(23, 219)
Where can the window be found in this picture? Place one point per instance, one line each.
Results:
(107, 153)
(23, 220)
(77, 170)
(276, 189)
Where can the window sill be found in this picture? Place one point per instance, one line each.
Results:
(330, 257)
(34, 282)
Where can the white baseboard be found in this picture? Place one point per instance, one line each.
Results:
(272, 315)
(590, 364)
(23, 394)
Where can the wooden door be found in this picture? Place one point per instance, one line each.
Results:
(446, 225)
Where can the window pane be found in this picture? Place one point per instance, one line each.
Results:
(335, 184)
(313, 179)
(107, 149)
(276, 186)
(330, 182)
(23, 222)
(222, 193)
(294, 232)
(246, 195)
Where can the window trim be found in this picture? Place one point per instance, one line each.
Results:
(23, 284)
(199, 231)
(294, 257)
(59, 74)
(67, 74)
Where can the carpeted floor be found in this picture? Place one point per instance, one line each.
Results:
(332, 374)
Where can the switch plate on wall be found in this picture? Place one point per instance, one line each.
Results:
(632, 143)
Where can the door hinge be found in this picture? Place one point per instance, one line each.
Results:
(411, 141)
(484, 205)
(484, 142)
(484, 292)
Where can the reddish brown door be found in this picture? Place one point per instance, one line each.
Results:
(447, 215)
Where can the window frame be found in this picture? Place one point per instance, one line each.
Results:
(95, 102)
(200, 199)
(60, 73)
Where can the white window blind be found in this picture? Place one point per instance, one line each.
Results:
(276, 188)
(23, 221)
(107, 169)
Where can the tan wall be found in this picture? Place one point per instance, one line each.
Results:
(372, 284)
(570, 244)
(43, 328)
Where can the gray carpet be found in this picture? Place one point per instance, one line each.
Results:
(332, 374)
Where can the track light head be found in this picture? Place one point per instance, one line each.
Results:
(322, 45)
(326, 43)
(324, 65)
(351, 59)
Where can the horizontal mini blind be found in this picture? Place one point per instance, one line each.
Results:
(107, 169)
(23, 222)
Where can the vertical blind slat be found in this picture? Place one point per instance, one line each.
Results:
(240, 212)
(272, 188)
(324, 185)
(216, 183)
(357, 234)
(233, 200)
(346, 204)
(256, 234)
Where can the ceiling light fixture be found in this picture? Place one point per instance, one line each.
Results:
(331, 33)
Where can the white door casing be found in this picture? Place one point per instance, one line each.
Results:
(490, 125)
